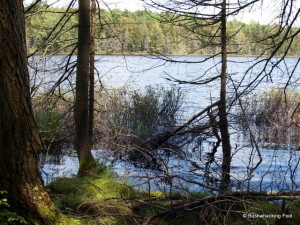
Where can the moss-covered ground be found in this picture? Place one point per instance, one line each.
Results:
(100, 199)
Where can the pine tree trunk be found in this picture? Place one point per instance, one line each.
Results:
(81, 108)
(226, 146)
(19, 139)
(92, 73)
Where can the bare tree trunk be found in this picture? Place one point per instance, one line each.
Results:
(92, 73)
(226, 146)
(20, 142)
(81, 108)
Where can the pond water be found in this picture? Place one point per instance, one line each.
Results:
(279, 169)
(136, 72)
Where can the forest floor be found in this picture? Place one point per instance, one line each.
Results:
(100, 198)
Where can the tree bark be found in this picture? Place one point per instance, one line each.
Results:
(226, 146)
(92, 73)
(20, 142)
(81, 108)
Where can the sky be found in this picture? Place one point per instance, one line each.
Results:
(131, 5)
(261, 13)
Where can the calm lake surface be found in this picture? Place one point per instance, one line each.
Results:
(279, 169)
(136, 72)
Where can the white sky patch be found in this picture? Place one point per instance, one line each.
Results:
(56, 3)
(266, 12)
(260, 13)
(131, 5)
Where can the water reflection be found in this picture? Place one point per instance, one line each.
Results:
(193, 171)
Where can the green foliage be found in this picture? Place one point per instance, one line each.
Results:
(7, 216)
(50, 30)
(144, 32)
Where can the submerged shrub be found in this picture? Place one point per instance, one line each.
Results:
(154, 111)
(48, 122)
(128, 119)
(121, 116)
(54, 119)
(275, 115)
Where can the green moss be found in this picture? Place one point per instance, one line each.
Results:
(158, 194)
(87, 165)
(97, 195)
(68, 221)
(194, 195)
(98, 198)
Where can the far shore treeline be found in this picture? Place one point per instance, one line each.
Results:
(145, 32)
